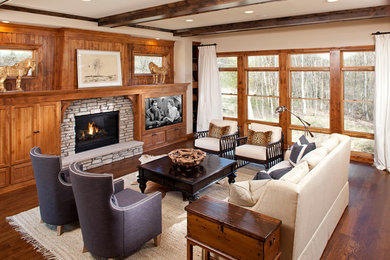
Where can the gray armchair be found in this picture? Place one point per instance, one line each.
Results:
(55, 194)
(114, 221)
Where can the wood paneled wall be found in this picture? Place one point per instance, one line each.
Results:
(56, 54)
(40, 40)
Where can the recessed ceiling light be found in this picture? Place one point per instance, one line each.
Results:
(249, 12)
(86, 0)
(332, 1)
(157, 38)
(5, 21)
(189, 20)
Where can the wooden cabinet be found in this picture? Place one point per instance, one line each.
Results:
(4, 177)
(175, 133)
(154, 139)
(4, 136)
(28, 126)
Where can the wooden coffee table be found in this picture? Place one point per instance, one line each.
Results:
(212, 169)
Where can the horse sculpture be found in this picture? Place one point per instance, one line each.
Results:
(18, 70)
(156, 71)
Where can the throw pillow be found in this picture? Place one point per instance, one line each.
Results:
(218, 132)
(297, 173)
(299, 150)
(259, 138)
(315, 157)
(262, 175)
(303, 140)
(279, 173)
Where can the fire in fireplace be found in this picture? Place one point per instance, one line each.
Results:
(96, 130)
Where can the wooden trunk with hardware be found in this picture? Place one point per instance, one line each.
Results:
(231, 231)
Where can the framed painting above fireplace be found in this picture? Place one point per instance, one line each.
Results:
(98, 68)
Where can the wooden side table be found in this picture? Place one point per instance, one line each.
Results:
(231, 231)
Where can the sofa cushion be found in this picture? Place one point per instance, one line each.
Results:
(246, 193)
(297, 173)
(330, 143)
(209, 143)
(251, 151)
(300, 150)
(231, 123)
(276, 130)
(259, 138)
(218, 131)
(314, 157)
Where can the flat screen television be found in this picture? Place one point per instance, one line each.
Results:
(162, 111)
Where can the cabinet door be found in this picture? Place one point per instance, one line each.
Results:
(4, 136)
(158, 138)
(21, 172)
(23, 123)
(49, 127)
(175, 133)
(4, 177)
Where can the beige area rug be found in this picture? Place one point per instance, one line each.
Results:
(174, 219)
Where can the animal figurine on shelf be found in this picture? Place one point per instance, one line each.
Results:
(18, 70)
(158, 71)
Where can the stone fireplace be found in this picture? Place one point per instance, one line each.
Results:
(84, 116)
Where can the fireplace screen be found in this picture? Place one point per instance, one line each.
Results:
(96, 130)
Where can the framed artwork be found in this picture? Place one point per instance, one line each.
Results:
(98, 68)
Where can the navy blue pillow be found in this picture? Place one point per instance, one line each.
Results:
(300, 149)
(262, 175)
(277, 174)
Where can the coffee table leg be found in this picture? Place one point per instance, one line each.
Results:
(232, 177)
(192, 197)
(142, 181)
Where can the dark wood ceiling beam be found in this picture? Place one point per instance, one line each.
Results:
(336, 16)
(172, 10)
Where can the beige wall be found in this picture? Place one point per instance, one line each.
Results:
(341, 34)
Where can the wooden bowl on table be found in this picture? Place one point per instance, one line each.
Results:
(187, 157)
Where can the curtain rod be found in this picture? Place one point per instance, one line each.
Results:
(204, 45)
(378, 33)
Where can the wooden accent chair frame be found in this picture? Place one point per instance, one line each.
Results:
(267, 155)
(224, 147)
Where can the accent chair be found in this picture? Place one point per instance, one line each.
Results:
(56, 201)
(114, 221)
(223, 146)
(269, 154)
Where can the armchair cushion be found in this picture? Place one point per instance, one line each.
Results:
(218, 131)
(209, 143)
(276, 130)
(259, 138)
(232, 124)
(127, 197)
(252, 151)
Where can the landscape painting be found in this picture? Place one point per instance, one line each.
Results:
(98, 68)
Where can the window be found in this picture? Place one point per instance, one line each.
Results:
(141, 63)
(309, 88)
(358, 84)
(263, 87)
(11, 57)
(228, 80)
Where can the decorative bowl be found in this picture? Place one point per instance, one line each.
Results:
(187, 157)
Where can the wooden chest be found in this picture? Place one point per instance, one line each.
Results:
(231, 231)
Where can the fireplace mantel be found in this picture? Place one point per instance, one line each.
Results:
(15, 98)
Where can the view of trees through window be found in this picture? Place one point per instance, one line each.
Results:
(228, 80)
(307, 90)
(141, 63)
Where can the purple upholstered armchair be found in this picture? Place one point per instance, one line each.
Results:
(55, 194)
(114, 221)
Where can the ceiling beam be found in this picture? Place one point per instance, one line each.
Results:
(318, 18)
(172, 10)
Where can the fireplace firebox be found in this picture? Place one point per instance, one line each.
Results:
(96, 130)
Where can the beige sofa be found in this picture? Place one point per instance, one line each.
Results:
(309, 209)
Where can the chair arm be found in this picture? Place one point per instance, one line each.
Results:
(64, 177)
(201, 134)
(119, 185)
(274, 152)
(241, 140)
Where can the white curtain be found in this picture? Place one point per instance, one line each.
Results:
(382, 102)
(209, 89)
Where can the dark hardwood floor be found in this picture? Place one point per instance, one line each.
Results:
(362, 233)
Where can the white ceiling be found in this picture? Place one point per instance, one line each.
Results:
(102, 8)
